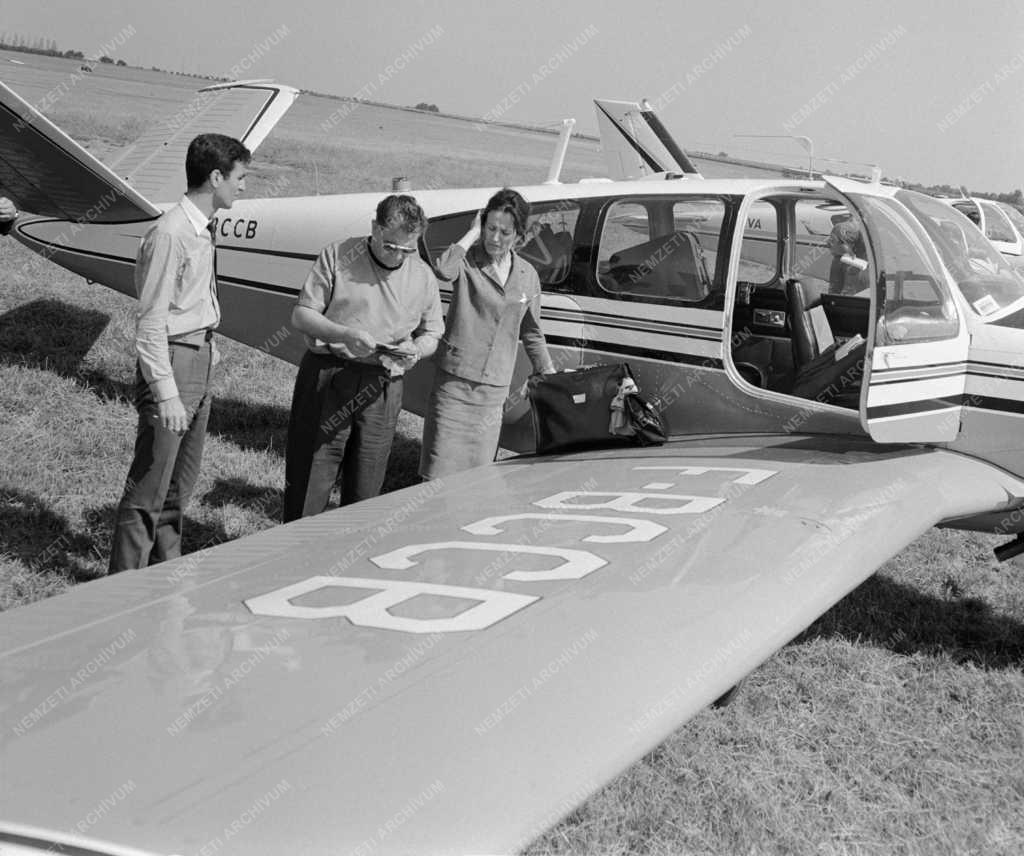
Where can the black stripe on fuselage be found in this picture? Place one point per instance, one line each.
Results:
(972, 368)
(879, 376)
(307, 257)
(614, 348)
(987, 402)
(911, 408)
(972, 401)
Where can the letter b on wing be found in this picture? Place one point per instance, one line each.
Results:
(373, 610)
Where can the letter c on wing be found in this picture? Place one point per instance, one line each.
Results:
(638, 529)
(577, 564)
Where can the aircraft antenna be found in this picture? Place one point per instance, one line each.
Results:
(555, 170)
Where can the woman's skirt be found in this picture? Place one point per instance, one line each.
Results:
(462, 425)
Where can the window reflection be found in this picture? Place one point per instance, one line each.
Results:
(660, 248)
(984, 277)
(915, 304)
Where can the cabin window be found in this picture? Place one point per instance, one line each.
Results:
(985, 279)
(661, 249)
(1014, 215)
(813, 262)
(760, 249)
(915, 304)
(442, 233)
(549, 240)
(548, 245)
(997, 225)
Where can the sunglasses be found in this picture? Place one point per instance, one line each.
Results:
(397, 248)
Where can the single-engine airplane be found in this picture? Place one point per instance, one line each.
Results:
(452, 667)
(1002, 224)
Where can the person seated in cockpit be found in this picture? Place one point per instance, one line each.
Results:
(848, 272)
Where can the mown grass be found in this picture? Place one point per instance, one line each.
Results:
(895, 724)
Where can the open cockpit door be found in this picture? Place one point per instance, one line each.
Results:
(915, 368)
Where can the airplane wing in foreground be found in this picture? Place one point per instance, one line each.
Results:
(449, 668)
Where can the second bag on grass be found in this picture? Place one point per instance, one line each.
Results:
(573, 410)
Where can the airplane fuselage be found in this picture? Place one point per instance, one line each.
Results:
(685, 279)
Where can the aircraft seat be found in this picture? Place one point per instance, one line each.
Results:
(669, 265)
(820, 375)
(809, 329)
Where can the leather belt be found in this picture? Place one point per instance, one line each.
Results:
(344, 362)
(192, 340)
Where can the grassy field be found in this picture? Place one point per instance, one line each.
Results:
(895, 724)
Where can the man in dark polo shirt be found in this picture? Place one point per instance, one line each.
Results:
(369, 309)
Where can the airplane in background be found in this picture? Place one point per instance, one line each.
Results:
(452, 667)
(1002, 224)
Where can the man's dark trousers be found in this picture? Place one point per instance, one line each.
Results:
(165, 467)
(343, 421)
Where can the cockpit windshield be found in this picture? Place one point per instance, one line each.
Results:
(1015, 216)
(990, 285)
(997, 224)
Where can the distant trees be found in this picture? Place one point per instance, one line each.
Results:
(39, 45)
(46, 47)
(423, 105)
(1015, 197)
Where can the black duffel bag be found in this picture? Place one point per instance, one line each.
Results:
(573, 410)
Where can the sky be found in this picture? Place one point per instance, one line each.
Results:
(929, 91)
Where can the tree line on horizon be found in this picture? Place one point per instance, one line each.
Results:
(48, 47)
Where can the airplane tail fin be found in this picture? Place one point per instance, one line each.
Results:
(45, 172)
(635, 143)
(246, 110)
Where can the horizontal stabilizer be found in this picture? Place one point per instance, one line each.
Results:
(635, 143)
(45, 172)
(155, 163)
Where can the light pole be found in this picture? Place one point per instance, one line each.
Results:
(806, 142)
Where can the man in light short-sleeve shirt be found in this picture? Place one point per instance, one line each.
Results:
(369, 310)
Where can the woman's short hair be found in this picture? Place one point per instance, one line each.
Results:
(208, 152)
(509, 202)
(402, 211)
(849, 233)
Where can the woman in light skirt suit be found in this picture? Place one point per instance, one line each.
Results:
(495, 305)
